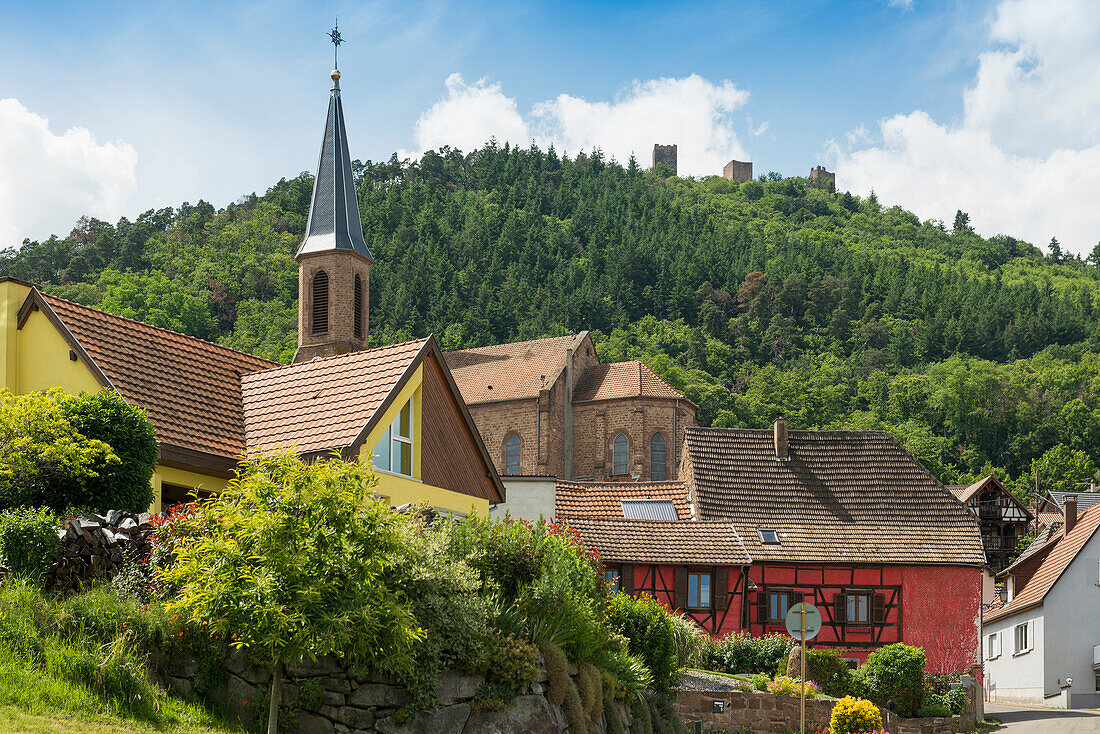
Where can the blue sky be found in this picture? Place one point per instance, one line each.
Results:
(919, 100)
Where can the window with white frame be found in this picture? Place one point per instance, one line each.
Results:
(394, 452)
(1023, 634)
(698, 590)
(993, 646)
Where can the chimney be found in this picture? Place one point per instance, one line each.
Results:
(780, 430)
(1070, 504)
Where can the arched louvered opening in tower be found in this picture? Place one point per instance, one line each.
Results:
(320, 302)
(358, 307)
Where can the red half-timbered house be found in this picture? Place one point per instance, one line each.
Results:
(847, 520)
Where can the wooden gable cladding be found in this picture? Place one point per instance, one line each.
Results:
(451, 455)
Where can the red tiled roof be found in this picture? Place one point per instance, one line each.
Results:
(843, 496)
(190, 387)
(959, 490)
(283, 406)
(508, 371)
(648, 541)
(604, 501)
(1048, 573)
(622, 380)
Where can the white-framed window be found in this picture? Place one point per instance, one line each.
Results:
(394, 452)
(511, 455)
(1097, 688)
(1010, 588)
(1023, 638)
(993, 646)
(658, 458)
(619, 450)
(859, 608)
(769, 536)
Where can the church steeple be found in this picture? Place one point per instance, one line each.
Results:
(333, 259)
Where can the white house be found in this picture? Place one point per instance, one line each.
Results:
(1043, 645)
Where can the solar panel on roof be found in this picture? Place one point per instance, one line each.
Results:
(649, 510)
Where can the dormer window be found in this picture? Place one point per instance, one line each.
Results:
(394, 452)
(769, 537)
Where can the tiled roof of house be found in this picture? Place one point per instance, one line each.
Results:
(843, 496)
(622, 380)
(283, 406)
(508, 371)
(190, 387)
(604, 500)
(648, 541)
(1065, 550)
(1049, 519)
(961, 491)
(1085, 500)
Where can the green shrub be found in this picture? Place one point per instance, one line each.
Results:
(639, 711)
(513, 665)
(933, 706)
(743, 653)
(492, 695)
(956, 699)
(118, 485)
(28, 541)
(688, 639)
(784, 686)
(629, 670)
(829, 670)
(894, 673)
(760, 681)
(574, 709)
(557, 670)
(649, 627)
(851, 715)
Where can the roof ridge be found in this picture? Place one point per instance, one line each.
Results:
(512, 344)
(157, 328)
(348, 356)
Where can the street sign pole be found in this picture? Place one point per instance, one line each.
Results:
(802, 682)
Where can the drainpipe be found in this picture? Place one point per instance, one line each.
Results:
(538, 431)
(567, 470)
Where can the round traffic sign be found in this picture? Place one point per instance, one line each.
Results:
(794, 621)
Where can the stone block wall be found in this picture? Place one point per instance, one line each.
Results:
(352, 702)
(758, 712)
(665, 154)
(740, 171)
(595, 425)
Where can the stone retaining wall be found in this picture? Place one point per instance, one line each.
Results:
(761, 713)
(353, 702)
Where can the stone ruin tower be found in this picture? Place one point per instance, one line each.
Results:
(665, 154)
(740, 171)
(819, 173)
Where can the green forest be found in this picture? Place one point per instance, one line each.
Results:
(775, 295)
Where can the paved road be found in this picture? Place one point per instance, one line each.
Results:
(1021, 719)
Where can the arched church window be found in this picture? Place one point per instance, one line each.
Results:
(358, 307)
(511, 455)
(619, 449)
(658, 458)
(320, 302)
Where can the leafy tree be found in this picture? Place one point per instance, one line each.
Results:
(1063, 469)
(962, 222)
(1056, 255)
(41, 451)
(288, 562)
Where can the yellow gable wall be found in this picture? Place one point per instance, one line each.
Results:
(399, 490)
(36, 358)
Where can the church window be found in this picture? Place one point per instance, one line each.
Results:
(511, 455)
(358, 307)
(618, 454)
(320, 302)
(658, 455)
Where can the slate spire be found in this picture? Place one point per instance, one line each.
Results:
(334, 222)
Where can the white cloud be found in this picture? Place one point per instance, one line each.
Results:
(903, 4)
(691, 112)
(46, 178)
(1025, 157)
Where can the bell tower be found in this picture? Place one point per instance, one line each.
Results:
(333, 259)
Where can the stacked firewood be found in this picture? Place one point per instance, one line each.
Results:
(97, 547)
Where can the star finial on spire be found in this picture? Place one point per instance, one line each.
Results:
(334, 34)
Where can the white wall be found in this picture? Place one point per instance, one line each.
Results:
(1015, 677)
(528, 498)
(1073, 624)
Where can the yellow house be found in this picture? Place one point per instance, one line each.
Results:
(211, 404)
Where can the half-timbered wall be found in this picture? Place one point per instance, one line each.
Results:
(933, 607)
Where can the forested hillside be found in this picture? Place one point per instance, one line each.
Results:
(981, 354)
